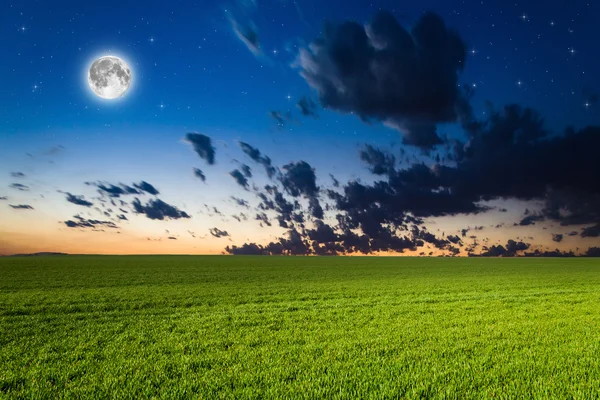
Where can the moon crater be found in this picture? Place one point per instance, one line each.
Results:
(109, 77)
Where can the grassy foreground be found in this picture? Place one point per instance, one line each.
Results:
(299, 327)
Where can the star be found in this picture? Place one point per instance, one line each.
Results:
(587, 104)
(151, 40)
(22, 29)
(519, 83)
(289, 97)
(274, 52)
(524, 17)
(572, 51)
(552, 23)
(473, 51)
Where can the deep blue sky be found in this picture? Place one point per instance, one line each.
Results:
(192, 73)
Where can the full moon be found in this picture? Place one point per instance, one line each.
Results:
(109, 77)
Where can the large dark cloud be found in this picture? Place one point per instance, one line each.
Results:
(202, 145)
(78, 200)
(382, 71)
(256, 156)
(510, 155)
(80, 222)
(158, 210)
(557, 237)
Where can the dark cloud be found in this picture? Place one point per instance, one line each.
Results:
(78, 200)
(531, 219)
(202, 145)
(334, 181)
(21, 207)
(273, 199)
(557, 237)
(146, 187)
(263, 218)
(307, 107)
(19, 186)
(246, 170)
(555, 253)
(240, 217)
(247, 249)
(199, 174)
(299, 179)
(81, 222)
(158, 210)
(240, 202)
(510, 155)
(114, 190)
(257, 157)
(380, 162)
(322, 233)
(382, 71)
(454, 239)
(239, 178)
(172, 238)
(591, 231)
(421, 234)
(572, 233)
(3, 198)
(593, 252)
(511, 249)
(18, 175)
(216, 232)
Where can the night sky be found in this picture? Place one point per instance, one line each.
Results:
(302, 127)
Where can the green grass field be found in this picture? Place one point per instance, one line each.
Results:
(299, 327)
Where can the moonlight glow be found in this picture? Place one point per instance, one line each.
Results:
(109, 77)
